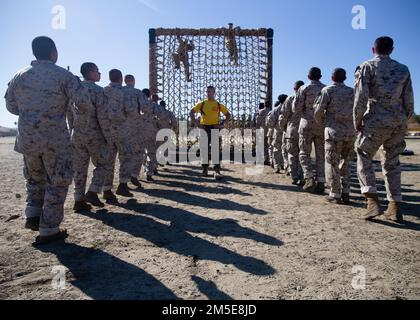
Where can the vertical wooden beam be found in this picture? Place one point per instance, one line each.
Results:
(270, 40)
(153, 85)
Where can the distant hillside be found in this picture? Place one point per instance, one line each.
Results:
(7, 132)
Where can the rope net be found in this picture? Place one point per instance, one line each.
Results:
(235, 61)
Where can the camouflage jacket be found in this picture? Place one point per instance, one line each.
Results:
(40, 95)
(383, 94)
(335, 107)
(304, 106)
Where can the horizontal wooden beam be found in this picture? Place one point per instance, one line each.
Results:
(212, 32)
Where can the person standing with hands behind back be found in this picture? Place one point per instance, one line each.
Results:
(210, 111)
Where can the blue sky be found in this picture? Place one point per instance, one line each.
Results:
(114, 34)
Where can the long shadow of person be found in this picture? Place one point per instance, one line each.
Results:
(195, 200)
(102, 276)
(179, 241)
(210, 290)
(405, 225)
(225, 190)
(188, 221)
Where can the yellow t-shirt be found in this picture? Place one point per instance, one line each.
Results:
(210, 113)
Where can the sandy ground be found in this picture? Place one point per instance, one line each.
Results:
(186, 237)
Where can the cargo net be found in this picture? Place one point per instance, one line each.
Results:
(235, 61)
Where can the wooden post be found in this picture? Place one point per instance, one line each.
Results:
(270, 37)
(153, 85)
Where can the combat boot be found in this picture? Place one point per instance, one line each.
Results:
(93, 199)
(109, 196)
(394, 212)
(310, 185)
(333, 200)
(150, 178)
(346, 198)
(217, 175)
(205, 172)
(136, 182)
(320, 188)
(124, 191)
(33, 223)
(373, 208)
(81, 206)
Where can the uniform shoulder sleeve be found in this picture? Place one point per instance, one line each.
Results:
(76, 92)
(10, 97)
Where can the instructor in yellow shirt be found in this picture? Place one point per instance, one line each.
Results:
(210, 111)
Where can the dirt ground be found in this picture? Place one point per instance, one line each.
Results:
(186, 237)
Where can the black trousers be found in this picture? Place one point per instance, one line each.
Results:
(208, 130)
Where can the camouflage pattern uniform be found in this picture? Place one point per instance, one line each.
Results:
(39, 95)
(292, 121)
(260, 121)
(123, 134)
(336, 106)
(167, 120)
(90, 140)
(284, 152)
(277, 137)
(138, 102)
(383, 104)
(151, 122)
(309, 131)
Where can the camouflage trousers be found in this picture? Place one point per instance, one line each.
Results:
(292, 147)
(48, 175)
(306, 139)
(391, 142)
(83, 153)
(277, 147)
(284, 153)
(125, 151)
(338, 156)
(138, 160)
(269, 152)
(150, 160)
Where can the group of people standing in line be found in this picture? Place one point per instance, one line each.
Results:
(341, 122)
(58, 142)
(64, 124)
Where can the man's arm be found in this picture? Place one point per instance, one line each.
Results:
(102, 115)
(193, 112)
(299, 103)
(408, 98)
(320, 106)
(11, 103)
(286, 113)
(361, 96)
(273, 117)
(226, 113)
(77, 93)
(70, 116)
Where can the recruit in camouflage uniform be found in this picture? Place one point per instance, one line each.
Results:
(277, 138)
(91, 138)
(151, 121)
(123, 133)
(310, 133)
(335, 105)
(167, 120)
(383, 104)
(260, 121)
(284, 147)
(141, 104)
(291, 138)
(39, 95)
